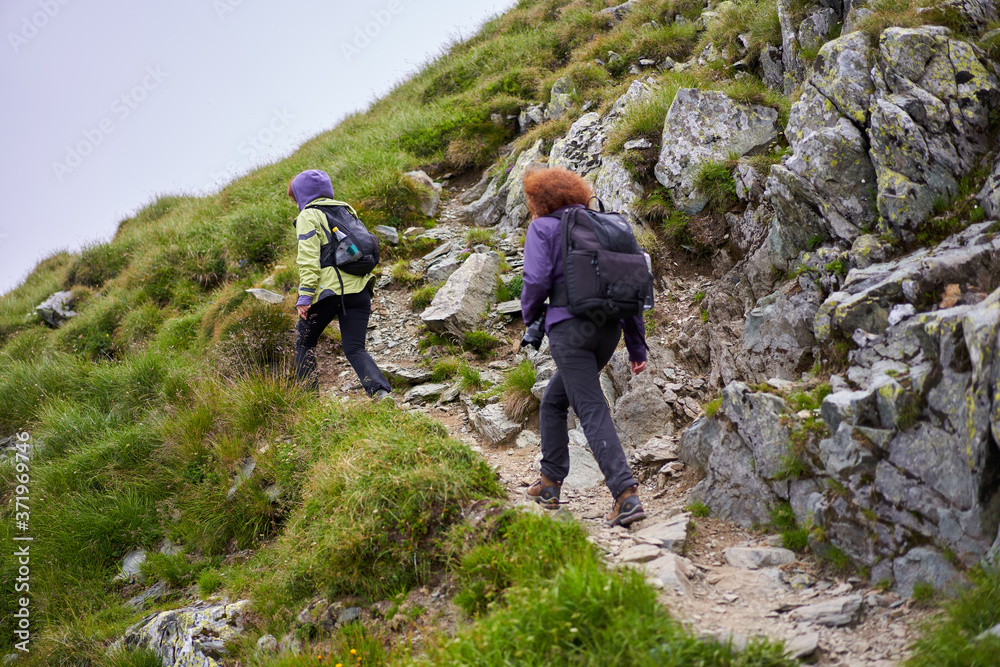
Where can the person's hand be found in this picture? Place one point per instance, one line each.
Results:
(638, 367)
(303, 311)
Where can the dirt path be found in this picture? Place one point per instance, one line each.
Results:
(713, 596)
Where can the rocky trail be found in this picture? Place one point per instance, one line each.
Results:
(721, 579)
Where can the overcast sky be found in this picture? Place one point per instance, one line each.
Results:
(112, 103)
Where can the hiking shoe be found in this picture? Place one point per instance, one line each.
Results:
(545, 492)
(627, 509)
(383, 395)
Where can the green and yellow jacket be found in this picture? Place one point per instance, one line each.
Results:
(317, 282)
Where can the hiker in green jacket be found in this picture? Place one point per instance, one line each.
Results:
(326, 293)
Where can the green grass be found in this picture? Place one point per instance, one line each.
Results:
(478, 235)
(712, 407)
(698, 509)
(402, 275)
(421, 298)
(542, 595)
(518, 401)
(510, 290)
(445, 369)
(480, 342)
(715, 181)
(759, 18)
(945, 639)
(793, 536)
(471, 379)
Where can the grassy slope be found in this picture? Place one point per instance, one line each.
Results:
(151, 401)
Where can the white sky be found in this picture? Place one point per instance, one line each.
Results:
(168, 96)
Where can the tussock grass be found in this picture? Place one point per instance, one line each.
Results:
(386, 485)
(715, 181)
(543, 596)
(949, 637)
(510, 290)
(421, 298)
(759, 18)
(518, 401)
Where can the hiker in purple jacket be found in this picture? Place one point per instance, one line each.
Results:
(580, 349)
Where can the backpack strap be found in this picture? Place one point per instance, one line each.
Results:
(329, 239)
(559, 294)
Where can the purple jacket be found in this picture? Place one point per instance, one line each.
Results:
(543, 268)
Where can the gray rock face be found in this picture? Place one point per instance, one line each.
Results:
(778, 335)
(704, 125)
(193, 635)
(924, 565)
(638, 91)
(670, 534)
(736, 450)
(826, 187)
(772, 67)
(888, 130)
(460, 304)
(487, 210)
(927, 129)
(560, 99)
(426, 191)
(55, 310)
(616, 187)
(580, 150)
(868, 295)
(989, 196)
(910, 447)
(442, 268)
(516, 203)
(618, 12)
(583, 469)
(492, 423)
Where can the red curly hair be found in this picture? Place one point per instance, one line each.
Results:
(549, 190)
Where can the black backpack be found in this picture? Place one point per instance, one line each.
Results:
(367, 243)
(606, 271)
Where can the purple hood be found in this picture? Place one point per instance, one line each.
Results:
(311, 185)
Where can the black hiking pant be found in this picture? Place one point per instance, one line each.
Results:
(352, 312)
(581, 349)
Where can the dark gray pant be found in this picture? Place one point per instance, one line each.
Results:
(581, 349)
(352, 312)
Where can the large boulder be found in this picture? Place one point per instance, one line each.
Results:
(426, 192)
(902, 455)
(487, 210)
(707, 125)
(617, 188)
(194, 635)
(459, 305)
(580, 150)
